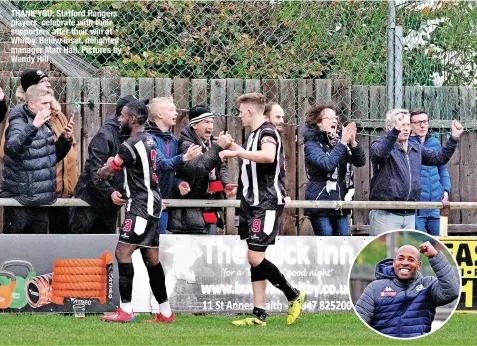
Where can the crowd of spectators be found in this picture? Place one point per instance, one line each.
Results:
(40, 165)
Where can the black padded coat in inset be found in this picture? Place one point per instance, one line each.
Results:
(31, 155)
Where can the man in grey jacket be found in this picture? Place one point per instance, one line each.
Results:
(402, 302)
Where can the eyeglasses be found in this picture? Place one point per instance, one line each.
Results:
(422, 122)
(330, 117)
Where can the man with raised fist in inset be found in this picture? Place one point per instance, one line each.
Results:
(402, 302)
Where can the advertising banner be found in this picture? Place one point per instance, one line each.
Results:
(204, 274)
(465, 252)
(211, 274)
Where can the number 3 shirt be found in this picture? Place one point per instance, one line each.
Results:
(137, 159)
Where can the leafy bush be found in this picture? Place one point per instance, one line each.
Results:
(280, 39)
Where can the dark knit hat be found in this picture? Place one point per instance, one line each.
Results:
(124, 101)
(31, 77)
(199, 113)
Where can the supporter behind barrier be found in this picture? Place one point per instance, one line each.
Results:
(31, 155)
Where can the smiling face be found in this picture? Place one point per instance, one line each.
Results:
(420, 124)
(407, 262)
(125, 121)
(277, 117)
(328, 121)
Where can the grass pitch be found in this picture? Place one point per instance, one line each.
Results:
(310, 329)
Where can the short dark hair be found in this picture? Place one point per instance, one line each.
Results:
(268, 108)
(139, 110)
(417, 112)
(313, 115)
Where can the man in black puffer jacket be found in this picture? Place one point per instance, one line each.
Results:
(31, 155)
(104, 196)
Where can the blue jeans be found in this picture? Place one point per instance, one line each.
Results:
(163, 222)
(428, 224)
(326, 226)
(381, 221)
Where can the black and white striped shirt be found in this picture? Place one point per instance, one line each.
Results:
(263, 184)
(137, 158)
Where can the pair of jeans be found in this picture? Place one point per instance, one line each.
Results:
(381, 221)
(333, 225)
(428, 224)
(163, 222)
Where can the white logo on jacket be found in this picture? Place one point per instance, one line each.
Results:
(419, 288)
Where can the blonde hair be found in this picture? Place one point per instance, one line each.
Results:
(35, 92)
(20, 95)
(156, 105)
(55, 107)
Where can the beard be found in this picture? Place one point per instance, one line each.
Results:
(125, 130)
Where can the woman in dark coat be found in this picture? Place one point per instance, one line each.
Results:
(329, 160)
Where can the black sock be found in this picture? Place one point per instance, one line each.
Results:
(278, 280)
(126, 275)
(259, 313)
(157, 280)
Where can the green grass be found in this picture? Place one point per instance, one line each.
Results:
(317, 329)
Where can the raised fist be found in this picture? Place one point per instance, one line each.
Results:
(427, 249)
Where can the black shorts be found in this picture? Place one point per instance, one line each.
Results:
(259, 226)
(139, 231)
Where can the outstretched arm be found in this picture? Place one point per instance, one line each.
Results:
(125, 157)
(109, 169)
(382, 148)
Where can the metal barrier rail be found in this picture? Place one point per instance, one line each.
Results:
(233, 203)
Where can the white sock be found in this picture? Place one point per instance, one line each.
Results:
(126, 307)
(165, 309)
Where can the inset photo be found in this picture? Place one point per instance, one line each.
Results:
(404, 284)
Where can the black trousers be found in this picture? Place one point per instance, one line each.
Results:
(25, 220)
(85, 220)
(58, 217)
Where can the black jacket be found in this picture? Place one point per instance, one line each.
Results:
(3, 109)
(196, 173)
(91, 188)
(396, 173)
(329, 170)
(31, 155)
